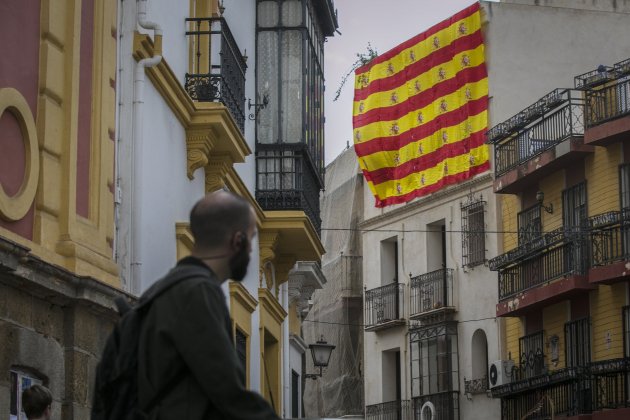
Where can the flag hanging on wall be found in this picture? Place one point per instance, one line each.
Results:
(420, 111)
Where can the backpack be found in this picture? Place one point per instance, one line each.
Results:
(116, 386)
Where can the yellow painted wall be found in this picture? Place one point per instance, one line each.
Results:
(294, 321)
(554, 318)
(552, 186)
(510, 205)
(602, 173)
(513, 331)
(606, 305)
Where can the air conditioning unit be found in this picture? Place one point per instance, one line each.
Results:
(500, 372)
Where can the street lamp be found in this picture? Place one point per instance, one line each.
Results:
(321, 352)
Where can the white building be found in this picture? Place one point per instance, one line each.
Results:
(191, 119)
(430, 299)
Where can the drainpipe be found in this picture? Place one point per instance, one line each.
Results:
(137, 142)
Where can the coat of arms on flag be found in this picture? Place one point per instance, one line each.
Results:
(420, 111)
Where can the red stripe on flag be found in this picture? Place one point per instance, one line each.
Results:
(420, 100)
(384, 144)
(426, 161)
(447, 180)
(426, 34)
(441, 56)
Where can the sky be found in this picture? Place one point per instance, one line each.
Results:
(382, 23)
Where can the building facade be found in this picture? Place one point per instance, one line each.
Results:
(192, 106)
(563, 288)
(115, 118)
(432, 335)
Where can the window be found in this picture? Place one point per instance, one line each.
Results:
(574, 218)
(474, 237)
(577, 342)
(20, 380)
(434, 359)
(240, 339)
(529, 225)
(624, 186)
(626, 330)
(295, 394)
(532, 354)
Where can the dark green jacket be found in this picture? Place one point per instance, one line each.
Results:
(187, 328)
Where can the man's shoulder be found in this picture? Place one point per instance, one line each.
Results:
(181, 278)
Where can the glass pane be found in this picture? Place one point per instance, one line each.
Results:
(291, 13)
(268, 85)
(291, 115)
(267, 14)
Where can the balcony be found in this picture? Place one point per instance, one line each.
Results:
(287, 180)
(384, 307)
(593, 389)
(476, 386)
(445, 406)
(538, 140)
(392, 410)
(610, 247)
(546, 269)
(432, 294)
(607, 104)
(218, 66)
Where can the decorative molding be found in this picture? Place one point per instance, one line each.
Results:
(184, 238)
(240, 294)
(217, 170)
(270, 305)
(15, 207)
(199, 144)
(267, 243)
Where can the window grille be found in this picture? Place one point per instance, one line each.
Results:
(434, 360)
(577, 339)
(575, 219)
(529, 225)
(474, 237)
(532, 354)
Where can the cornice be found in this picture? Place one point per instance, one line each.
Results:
(242, 295)
(270, 303)
(423, 201)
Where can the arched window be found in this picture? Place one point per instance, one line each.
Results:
(479, 355)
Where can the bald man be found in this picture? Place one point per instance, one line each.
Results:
(188, 367)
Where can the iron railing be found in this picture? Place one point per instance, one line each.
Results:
(431, 291)
(392, 410)
(610, 237)
(557, 118)
(557, 254)
(611, 381)
(384, 304)
(218, 67)
(476, 386)
(445, 406)
(607, 102)
(287, 180)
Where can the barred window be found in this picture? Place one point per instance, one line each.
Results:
(577, 339)
(624, 186)
(626, 330)
(574, 206)
(532, 354)
(474, 237)
(529, 224)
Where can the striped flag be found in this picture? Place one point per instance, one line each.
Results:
(420, 111)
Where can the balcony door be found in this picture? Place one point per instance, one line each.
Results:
(624, 200)
(574, 218)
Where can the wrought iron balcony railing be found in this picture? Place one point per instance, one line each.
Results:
(610, 237)
(607, 102)
(556, 254)
(218, 73)
(476, 386)
(555, 118)
(287, 180)
(431, 291)
(574, 390)
(384, 304)
(445, 406)
(392, 410)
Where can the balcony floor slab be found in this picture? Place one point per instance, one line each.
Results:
(544, 295)
(608, 132)
(610, 274)
(530, 172)
(386, 325)
(612, 414)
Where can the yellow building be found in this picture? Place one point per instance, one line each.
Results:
(562, 167)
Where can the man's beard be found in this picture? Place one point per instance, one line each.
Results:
(238, 264)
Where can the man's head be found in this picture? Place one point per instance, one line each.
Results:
(36, 402)
(223, 225)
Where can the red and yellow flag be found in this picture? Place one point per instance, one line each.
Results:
(420, 111)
